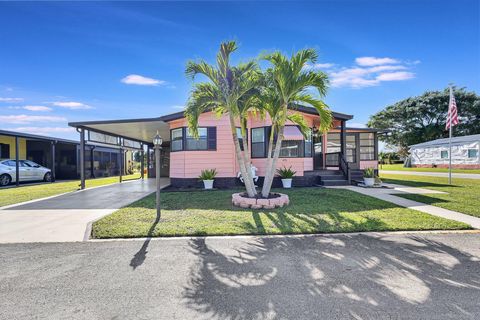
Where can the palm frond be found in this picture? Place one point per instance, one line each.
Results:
(299, 120)
(201, 67)
(323, 110)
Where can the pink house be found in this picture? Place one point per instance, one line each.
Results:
(334, 158)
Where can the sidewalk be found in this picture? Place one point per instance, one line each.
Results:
(433, 174)
(388, 194)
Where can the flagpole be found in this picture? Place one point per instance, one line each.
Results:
(450, 143)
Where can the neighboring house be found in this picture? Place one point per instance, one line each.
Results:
(465, 153)
(62, 155)
(310, 157)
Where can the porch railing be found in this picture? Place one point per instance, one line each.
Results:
(343, 165)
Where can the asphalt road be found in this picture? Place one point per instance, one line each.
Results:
(434, 276)
(433, 174)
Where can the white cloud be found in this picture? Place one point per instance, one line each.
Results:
(71, 105)
(373, 61)
(33, 108)
(45, 130)
(37, 108)
(369, 72)
(11, 99)
(23, 118)
(141, 80)
(395, 76)
(386, 68)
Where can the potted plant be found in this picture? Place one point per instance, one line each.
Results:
(286, 174)
(369, 177)
(207, 176)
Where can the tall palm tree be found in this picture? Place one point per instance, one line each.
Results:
(287, 82)
(230, 90)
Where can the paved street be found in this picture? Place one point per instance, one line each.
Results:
(381, 276)
(433, 174)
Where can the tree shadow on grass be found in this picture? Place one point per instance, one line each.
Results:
(420, 184)
(343, 276)
(428, 199)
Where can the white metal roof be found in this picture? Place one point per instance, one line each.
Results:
(444, 141)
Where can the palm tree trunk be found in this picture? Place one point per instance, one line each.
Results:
(246, 155)
(270, 174)
(247, 178)
(266, 190)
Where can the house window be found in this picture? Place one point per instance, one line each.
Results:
(333, 142)
(183, 140)
(177, 139)
(351, 148)
(197, 144)
(444, 154)
(4, 151)
(367, 146)
(292, 149)
(258, 143)
(473, 153)
(240, 137)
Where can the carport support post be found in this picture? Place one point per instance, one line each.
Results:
(53, 160)
(82, 158)
(121, 165)
(142, 163)
(17, 163)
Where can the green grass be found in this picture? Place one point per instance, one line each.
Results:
(23, 193)
(462, 196)
(399, 167)
(312, 210)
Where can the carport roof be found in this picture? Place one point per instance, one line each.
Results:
(143, 129)
(34, 136)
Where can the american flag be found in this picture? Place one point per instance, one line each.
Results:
(452, 116)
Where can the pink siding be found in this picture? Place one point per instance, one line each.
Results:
(189, 164)
(364, 164)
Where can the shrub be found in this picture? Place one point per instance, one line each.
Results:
(208, 174)
(369, 173)
(286, 173)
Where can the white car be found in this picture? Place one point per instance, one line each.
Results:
(29, 171)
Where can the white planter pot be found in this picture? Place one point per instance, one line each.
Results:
(287, 183)
(208, 184)
(369, 182)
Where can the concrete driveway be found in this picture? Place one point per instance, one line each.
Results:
(67, 217)
(362, 276)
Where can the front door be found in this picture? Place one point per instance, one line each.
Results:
(317, 152)
(352, 150)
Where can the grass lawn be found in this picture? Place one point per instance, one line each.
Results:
(25, 192)
(462, 196)
(312, 210)
(399, 167)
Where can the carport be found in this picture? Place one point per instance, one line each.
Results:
(126, 133)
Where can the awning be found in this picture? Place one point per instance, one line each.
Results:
(141, 130)
(292, 133)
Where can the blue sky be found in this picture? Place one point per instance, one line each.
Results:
(63, 62)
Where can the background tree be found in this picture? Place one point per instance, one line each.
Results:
(422, 118)
(230, 90)
(287, 84)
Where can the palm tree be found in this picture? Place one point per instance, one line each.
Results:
(230, 90)
(287, 82)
